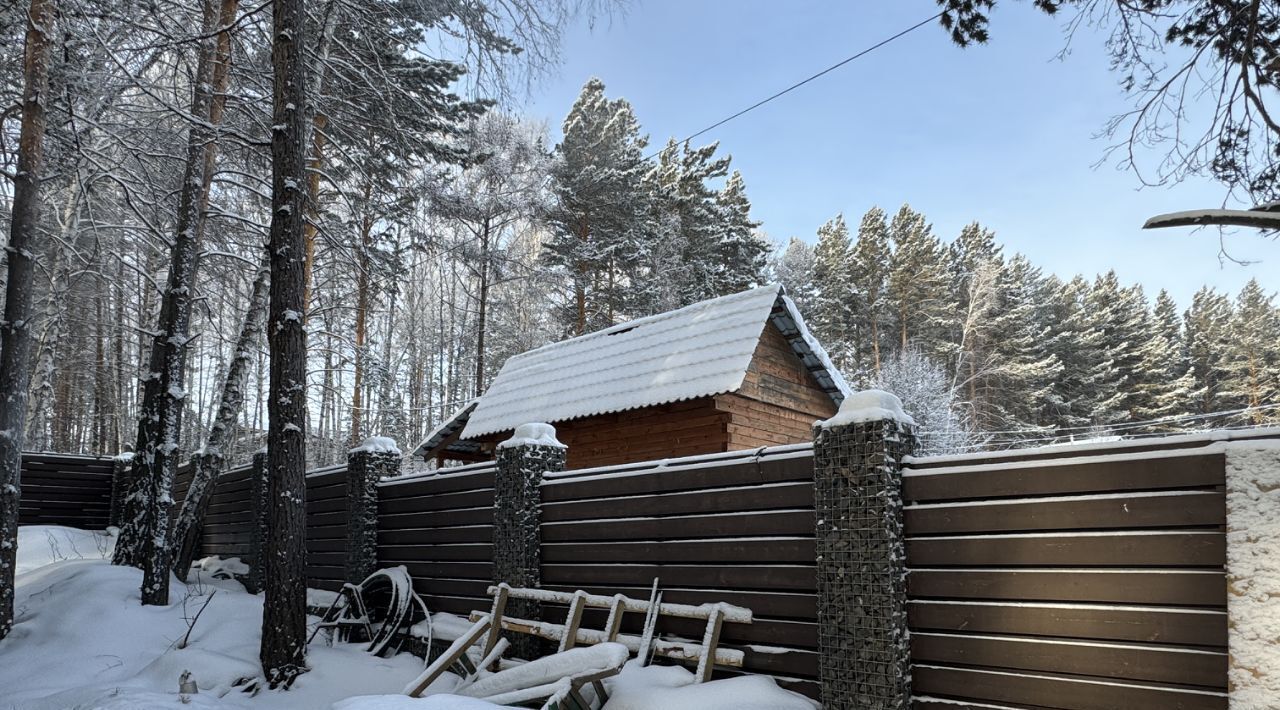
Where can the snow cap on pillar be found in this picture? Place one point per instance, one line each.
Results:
(533, 434)
(377, 445)
(869, 406)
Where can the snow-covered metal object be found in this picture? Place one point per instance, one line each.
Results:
(696, 351)
(864, 652)
(375, 459)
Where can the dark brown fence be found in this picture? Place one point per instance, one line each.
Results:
(440, 527)
(1067, 578)
(228, 522)
(59, 489)
(1091, 580)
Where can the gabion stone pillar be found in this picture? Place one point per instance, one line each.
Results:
(523, 460)
(371, 461)
(865, 659)
(260, 511)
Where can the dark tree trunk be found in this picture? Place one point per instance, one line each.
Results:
(210, 461)
(284, 611)
(483, 316)
(15, 330)
(144, 541)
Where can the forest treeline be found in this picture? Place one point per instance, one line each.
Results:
(987, 349)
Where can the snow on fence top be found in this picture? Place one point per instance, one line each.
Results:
(378, 445)
(533, 434)
(696, 351)
(869, 406)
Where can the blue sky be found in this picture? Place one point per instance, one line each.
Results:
(1003, 134)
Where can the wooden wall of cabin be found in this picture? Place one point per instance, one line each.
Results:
(779, 399)
(687, 428)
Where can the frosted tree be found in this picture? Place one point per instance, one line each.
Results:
(834, 300)
(1079, 346)
(1020, 386)
(501, 188)
(1167, 387)
(1252, 363)
(597, 219)
(15, 335)
(1208, 332)
(918, 285)
(792, 266)
(744, 253)
(869, 265)
(144, 536)
(1121, 317)
(925, 389)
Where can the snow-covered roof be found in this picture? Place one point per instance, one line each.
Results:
(697, 351)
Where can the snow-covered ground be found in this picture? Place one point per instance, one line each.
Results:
(84, 642)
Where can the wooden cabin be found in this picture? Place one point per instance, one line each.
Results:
(730, 373)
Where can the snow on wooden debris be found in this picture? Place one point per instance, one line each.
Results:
(533, 434)
(548, 669)
(696, 351)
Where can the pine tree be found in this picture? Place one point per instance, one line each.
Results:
(1167, 387)
(833, 302)
(1253, 356)
(793, 268)
(743, 253)
(1023, 370)
(15, 331)
(1119, 314)
(869, 265)
(1208, 333)
(919, 284)
(1079, 346)
(283, 651)
(598, 219)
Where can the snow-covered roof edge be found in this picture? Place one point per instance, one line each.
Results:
(787, 319)
(445, 429)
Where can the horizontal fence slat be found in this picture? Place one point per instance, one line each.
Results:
(1057, 692)
(1041, 479)
(1081, 585)
(1126, 511)
(1192, 627)
(1167, 549)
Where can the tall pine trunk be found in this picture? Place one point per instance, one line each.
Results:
(284, 612)
(211, 459)
(144, 540)
(15, 330)
(483, 316)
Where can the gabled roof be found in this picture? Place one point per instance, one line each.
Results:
(697, 351)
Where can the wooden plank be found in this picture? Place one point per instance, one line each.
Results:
(440, 501)
(757, 497)
(1067, 478)
(763, 523)
(420, 536)
(438, 518)
(1057, 692)
(760, 550)
(1193, 627)
(1172, 549)
(1119, 661)
(712, 475)
(1127, 511)
(1179, 588)
(431, 485)
(776, 605)
(587, 576)
(439, 552)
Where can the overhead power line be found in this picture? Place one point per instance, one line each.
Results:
(828, 70)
